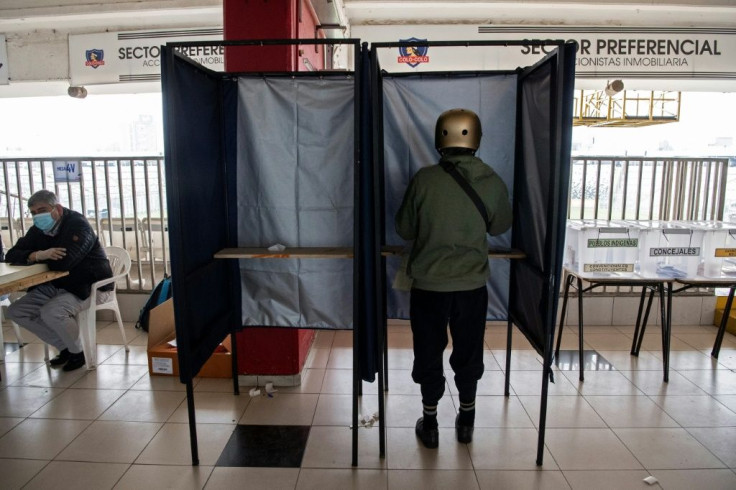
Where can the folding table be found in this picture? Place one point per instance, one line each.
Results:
(575, 279)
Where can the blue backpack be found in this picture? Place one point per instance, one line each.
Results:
(160, 293)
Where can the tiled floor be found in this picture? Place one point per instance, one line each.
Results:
(118, 427)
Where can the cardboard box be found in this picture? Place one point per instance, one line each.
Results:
(720, 306)
(163, 359)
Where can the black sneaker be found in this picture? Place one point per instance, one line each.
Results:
(429, 437)
(464, 433)
(61, 359)
(75, 361)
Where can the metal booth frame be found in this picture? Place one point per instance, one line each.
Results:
(548, 269)
(186, 189)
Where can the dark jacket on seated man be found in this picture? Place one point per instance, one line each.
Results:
(85, 258)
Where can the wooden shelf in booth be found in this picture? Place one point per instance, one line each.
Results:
(493, 253)
(334, 253)
(288, 253)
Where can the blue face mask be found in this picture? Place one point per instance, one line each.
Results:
(43, 221)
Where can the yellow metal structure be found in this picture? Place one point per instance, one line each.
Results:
(629, 108)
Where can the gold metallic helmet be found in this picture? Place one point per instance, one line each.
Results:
(457, 128)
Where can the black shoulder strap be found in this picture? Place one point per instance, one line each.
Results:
(450, 169)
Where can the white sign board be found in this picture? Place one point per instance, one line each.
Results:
(112, 57)
(67, 171)
(162, 365)
(3, 61)
(605, 52)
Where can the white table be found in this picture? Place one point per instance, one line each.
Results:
(19, 277)
(655, 284)
(727, 282)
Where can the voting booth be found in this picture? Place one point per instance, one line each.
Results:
(281, 190)
(526, 116)
(263, 161)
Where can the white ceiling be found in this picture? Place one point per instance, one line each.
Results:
(19, 19)
(23, 15)
(628, 12)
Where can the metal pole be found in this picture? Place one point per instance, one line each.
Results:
(568, 281)
(724, 321)
(580, 328)
(192, 423)
(543, 407)
(507, 381)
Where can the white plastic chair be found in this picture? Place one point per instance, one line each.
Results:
(87, 318)
(119, 231)
(157, 232)
(5, 301)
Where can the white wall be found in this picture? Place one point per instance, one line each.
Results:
(37, 35)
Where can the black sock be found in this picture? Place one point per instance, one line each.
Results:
(467, 413)
(429, 412)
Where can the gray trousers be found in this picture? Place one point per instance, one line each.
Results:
(50, 313)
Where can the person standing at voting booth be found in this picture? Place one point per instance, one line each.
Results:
(64, 240)
(447, 211)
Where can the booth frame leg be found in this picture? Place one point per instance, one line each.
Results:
(382, 377)
(354, 461)
(507, 381)
(357, 390)
(234, 345)
(385, 355)
(581, 354)
(192, 424)
(543, 409)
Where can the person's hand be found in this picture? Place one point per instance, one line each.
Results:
(54, 253)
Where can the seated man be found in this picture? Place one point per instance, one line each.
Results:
(64, 240)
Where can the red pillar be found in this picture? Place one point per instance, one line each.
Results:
(263, 350)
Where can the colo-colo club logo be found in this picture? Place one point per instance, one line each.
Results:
(94, 57)
(413, 55)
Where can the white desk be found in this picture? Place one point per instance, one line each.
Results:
(728, 282)
(18, 277)
(575, 279)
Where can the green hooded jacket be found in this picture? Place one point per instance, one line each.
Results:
(450, 251)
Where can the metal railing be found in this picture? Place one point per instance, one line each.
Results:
(123, 199)
(641, 188)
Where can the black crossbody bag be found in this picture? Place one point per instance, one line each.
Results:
(465, 185)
